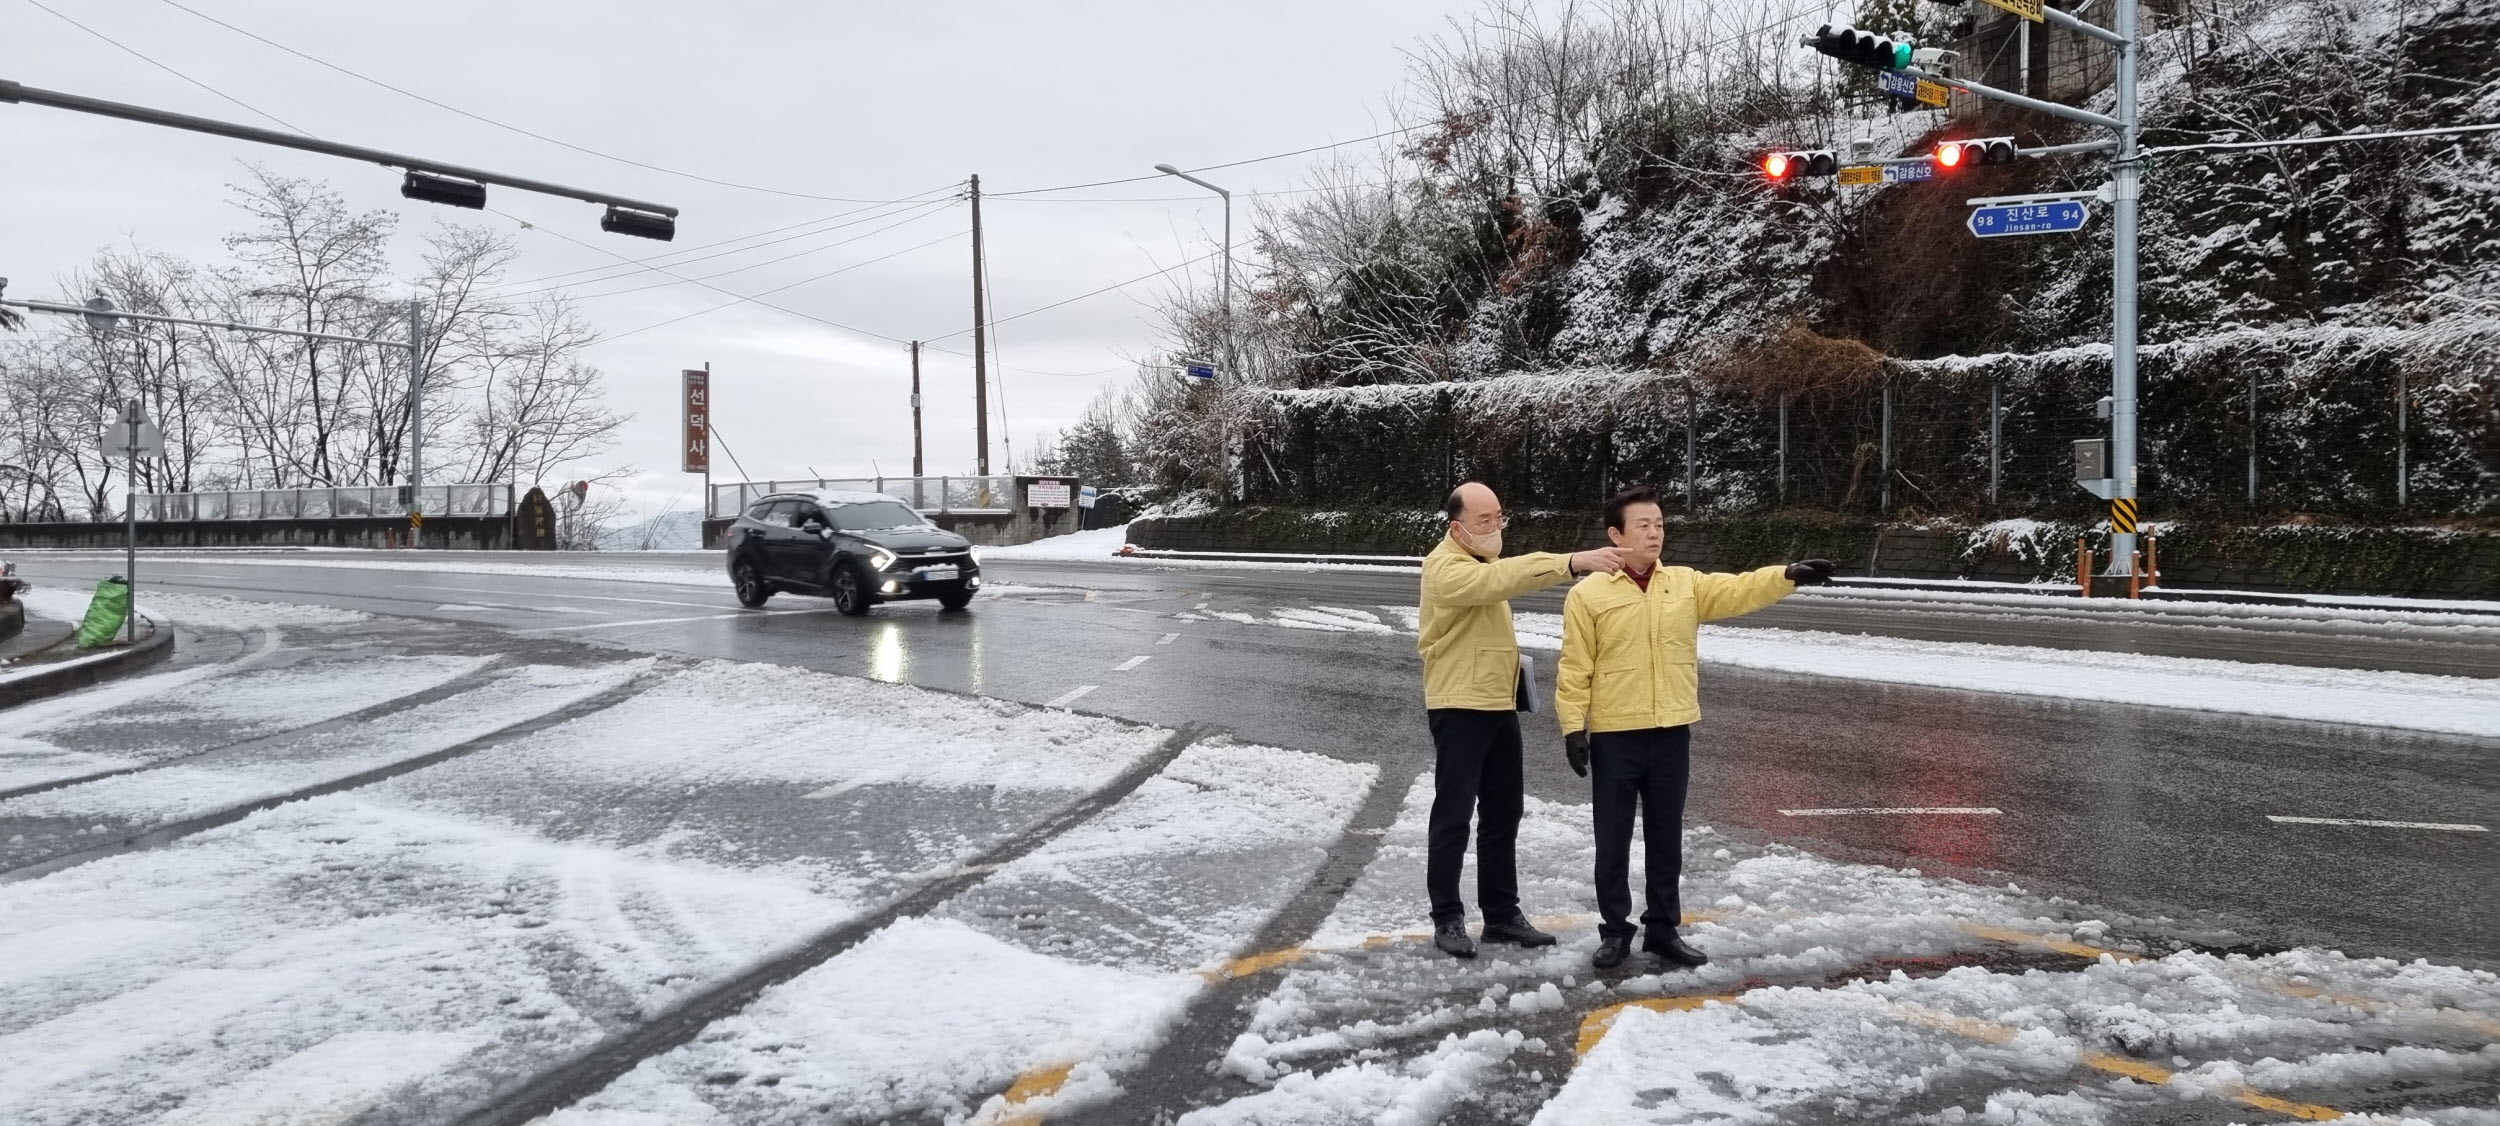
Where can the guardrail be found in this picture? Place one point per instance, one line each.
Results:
(324, 504)
(993, 495)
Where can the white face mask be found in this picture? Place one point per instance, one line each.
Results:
(1488, 545)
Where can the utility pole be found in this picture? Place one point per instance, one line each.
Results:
(416, 399)
(917, 468)
(980, 341)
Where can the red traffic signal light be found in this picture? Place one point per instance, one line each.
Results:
(1952, 156)
(1782, 166)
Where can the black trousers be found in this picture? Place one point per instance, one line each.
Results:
(1475, 770)
(1648, 770)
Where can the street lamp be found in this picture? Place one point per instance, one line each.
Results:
(1232, 355)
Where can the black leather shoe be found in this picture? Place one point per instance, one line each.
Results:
(1673, 949)
(1612, 950)
(1452, 939)
(1516, 930)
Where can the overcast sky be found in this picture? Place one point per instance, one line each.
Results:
(864, 101)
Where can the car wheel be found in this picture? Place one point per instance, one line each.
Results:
(956, 599)
(750, 586)
(850, 590)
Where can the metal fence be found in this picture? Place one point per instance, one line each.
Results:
(323, 504)
(968, 495)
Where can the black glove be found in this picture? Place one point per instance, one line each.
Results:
(1576, 752)
(1811, 572)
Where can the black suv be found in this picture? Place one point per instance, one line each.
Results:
(859, 548)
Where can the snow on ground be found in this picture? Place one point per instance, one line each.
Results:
(2110, 1041)
(416, 943)
(711, 576)
(131, 723)
(197, 611)
(1077, 956)
(71, 818)
(2470, 613)
(1100, 543)
(1373, 1025)
(2448, 705)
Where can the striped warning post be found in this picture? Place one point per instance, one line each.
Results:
(2122, 515)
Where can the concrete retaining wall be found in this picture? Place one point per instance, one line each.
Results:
(985, 529)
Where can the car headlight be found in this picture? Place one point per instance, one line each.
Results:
(880, 558)
(976, 557)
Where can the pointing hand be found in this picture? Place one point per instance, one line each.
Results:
(1590, 562)
(1811, 572)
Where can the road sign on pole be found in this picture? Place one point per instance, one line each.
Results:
(1198, 369)
(2027, 9)
(2063, 216)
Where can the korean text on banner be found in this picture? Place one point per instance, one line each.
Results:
(698, 448)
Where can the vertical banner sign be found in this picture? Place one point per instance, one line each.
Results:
(698, 448)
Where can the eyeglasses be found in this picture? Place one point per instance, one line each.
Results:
(1477, 524)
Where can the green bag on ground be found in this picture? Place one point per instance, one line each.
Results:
(106, 614)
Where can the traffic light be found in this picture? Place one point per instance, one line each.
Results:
(640, 224)
(1953, 156)
(1784, 166)
(1865, 48)
(443, 189)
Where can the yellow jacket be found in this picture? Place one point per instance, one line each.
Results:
(1627, 657)
(1471, 656)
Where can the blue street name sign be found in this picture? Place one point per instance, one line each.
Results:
(1196, 370)
(1897, 84)
(2055, 217)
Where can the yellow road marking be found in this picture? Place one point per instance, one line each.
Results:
(1039, 1083)
(2062, 946)
(1596, 1025)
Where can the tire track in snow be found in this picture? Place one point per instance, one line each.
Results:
(620, 1052)
(475, 678)
(174, 831)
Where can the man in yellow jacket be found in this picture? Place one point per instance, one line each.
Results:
(1627, 698)
(1472, 696)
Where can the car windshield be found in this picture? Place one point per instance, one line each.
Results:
(875, 515)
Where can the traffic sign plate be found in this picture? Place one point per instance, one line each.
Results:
(1861, 174)
(2053, 217)
(2027, 9)
(1909, 173)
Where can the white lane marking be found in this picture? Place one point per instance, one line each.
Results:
(1200, 606)
(81, 1040)
(490, 608)
(329, 1082)
(672, 621)
(2457, 827)
(552, 594)
(1985, 810)
(1131, 663)
(1071, 696)
(1166, 639)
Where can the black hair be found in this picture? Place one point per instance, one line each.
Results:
(1637, 494)
(1456, 506)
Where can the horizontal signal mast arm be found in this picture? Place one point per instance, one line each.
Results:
(17, 92)
(2009, 97)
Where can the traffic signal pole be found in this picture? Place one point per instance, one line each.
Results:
(2125, 180)
(2123, 193)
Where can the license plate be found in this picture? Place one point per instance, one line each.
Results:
(937, 574)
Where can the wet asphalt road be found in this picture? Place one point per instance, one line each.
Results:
(2142, 809)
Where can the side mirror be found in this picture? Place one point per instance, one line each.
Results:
(813, 527)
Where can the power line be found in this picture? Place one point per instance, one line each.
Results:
(1082, 296)
(947, 237)
(491, 121)
(707, 285)
(2337, 139)
(934, 207)
(133, 51)
(658, 259)
(1795, 13)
